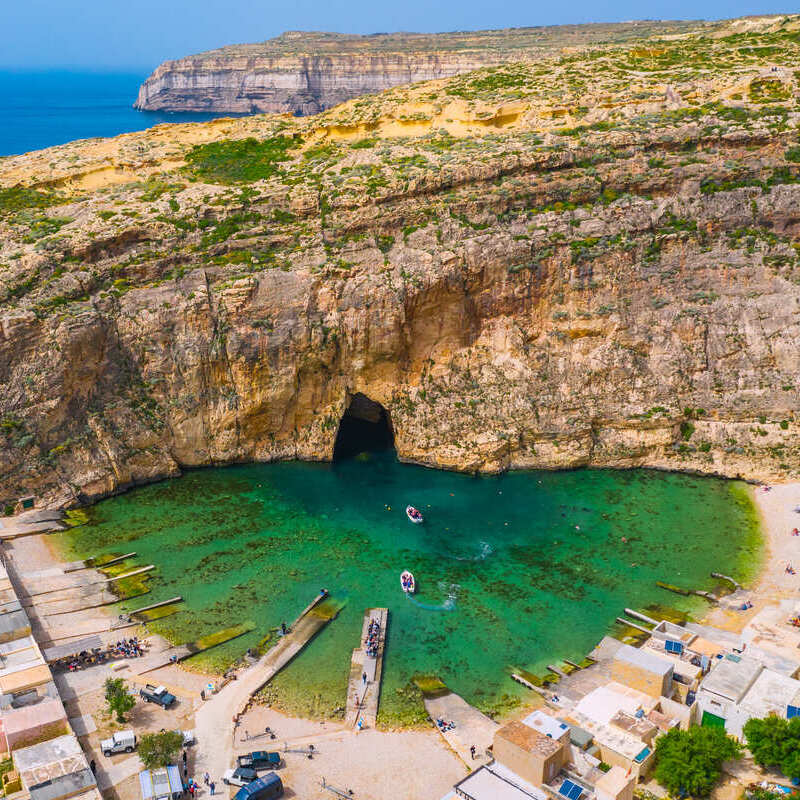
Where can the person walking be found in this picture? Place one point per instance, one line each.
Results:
(212, 786)
(184, 758)
(206, 778)
(472, 751)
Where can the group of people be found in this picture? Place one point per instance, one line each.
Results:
(373, 635)
(124, 648)
(190, 784)
(444, 726)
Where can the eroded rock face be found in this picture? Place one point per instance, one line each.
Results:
(303, 84)
(302, 72)
(621, 292)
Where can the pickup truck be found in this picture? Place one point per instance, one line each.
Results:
(260, 759)
(120, 742)
(157, 694)
(240, 776)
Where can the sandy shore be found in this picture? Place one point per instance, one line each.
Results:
(773, 585)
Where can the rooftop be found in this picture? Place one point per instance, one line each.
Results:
(644, 659)
(640, 727)
(47, 760)
(18, 720)
(770, 693)
(731, 677)
(64, 786)
(496, 782)
(528, 739)
(613, 781)
(603, 703)
(544, 723)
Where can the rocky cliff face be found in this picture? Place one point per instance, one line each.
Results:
(306, 72)
(301, 84)
(515, 292)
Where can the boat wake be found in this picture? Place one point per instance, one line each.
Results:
(485, 551)
(448, 605)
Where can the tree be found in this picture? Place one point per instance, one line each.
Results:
(775, 742)
(118, 699)
(690, 762)
(159, 749)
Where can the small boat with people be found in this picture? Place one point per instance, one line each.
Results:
(407, 582)
(414, 515)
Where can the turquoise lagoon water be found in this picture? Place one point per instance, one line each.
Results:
(517, 570)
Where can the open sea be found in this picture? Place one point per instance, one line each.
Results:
(42, 109)
(514, 571)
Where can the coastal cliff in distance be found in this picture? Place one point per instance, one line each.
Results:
(304, 73)
(591, 259)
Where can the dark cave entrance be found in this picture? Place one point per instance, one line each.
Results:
(365, 428)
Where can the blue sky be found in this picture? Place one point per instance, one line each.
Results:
(139, 34)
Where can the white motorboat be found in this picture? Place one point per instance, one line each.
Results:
(407, 582)
(414, 515)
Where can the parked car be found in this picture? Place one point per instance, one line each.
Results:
(261, 759)
(240, 776)
(157, 694)
(188, 737)
(120, 742)
(267, 787)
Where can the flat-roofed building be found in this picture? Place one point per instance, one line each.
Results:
(45, 761)
(724, 688)
(642, 669)
(20, 727)
(496, 782)
(616, 784)
(548, 725)
(534, 756)
(14, 624)
(736, 692)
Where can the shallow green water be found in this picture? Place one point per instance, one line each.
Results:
(504, 576)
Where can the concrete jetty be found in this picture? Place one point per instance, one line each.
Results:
(364, 686)
(100, 582)
(470, 727)
(29, 523)
(89, 563)
(213, 718)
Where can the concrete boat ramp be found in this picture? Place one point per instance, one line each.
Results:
(214, 715)
(364, 687)
(470, 727)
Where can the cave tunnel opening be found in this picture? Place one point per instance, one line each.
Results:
(365, 428)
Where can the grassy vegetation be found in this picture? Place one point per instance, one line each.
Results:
(239, 160)
(19, 198)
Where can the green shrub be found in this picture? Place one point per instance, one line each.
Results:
(18, 198)
(689, 763)
(792, 154)
(239, 160)
(768, 90)
(159, 749)
(775, 742)
(118, 699)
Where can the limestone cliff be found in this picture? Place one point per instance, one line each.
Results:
(596, 269)
(304, 73)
